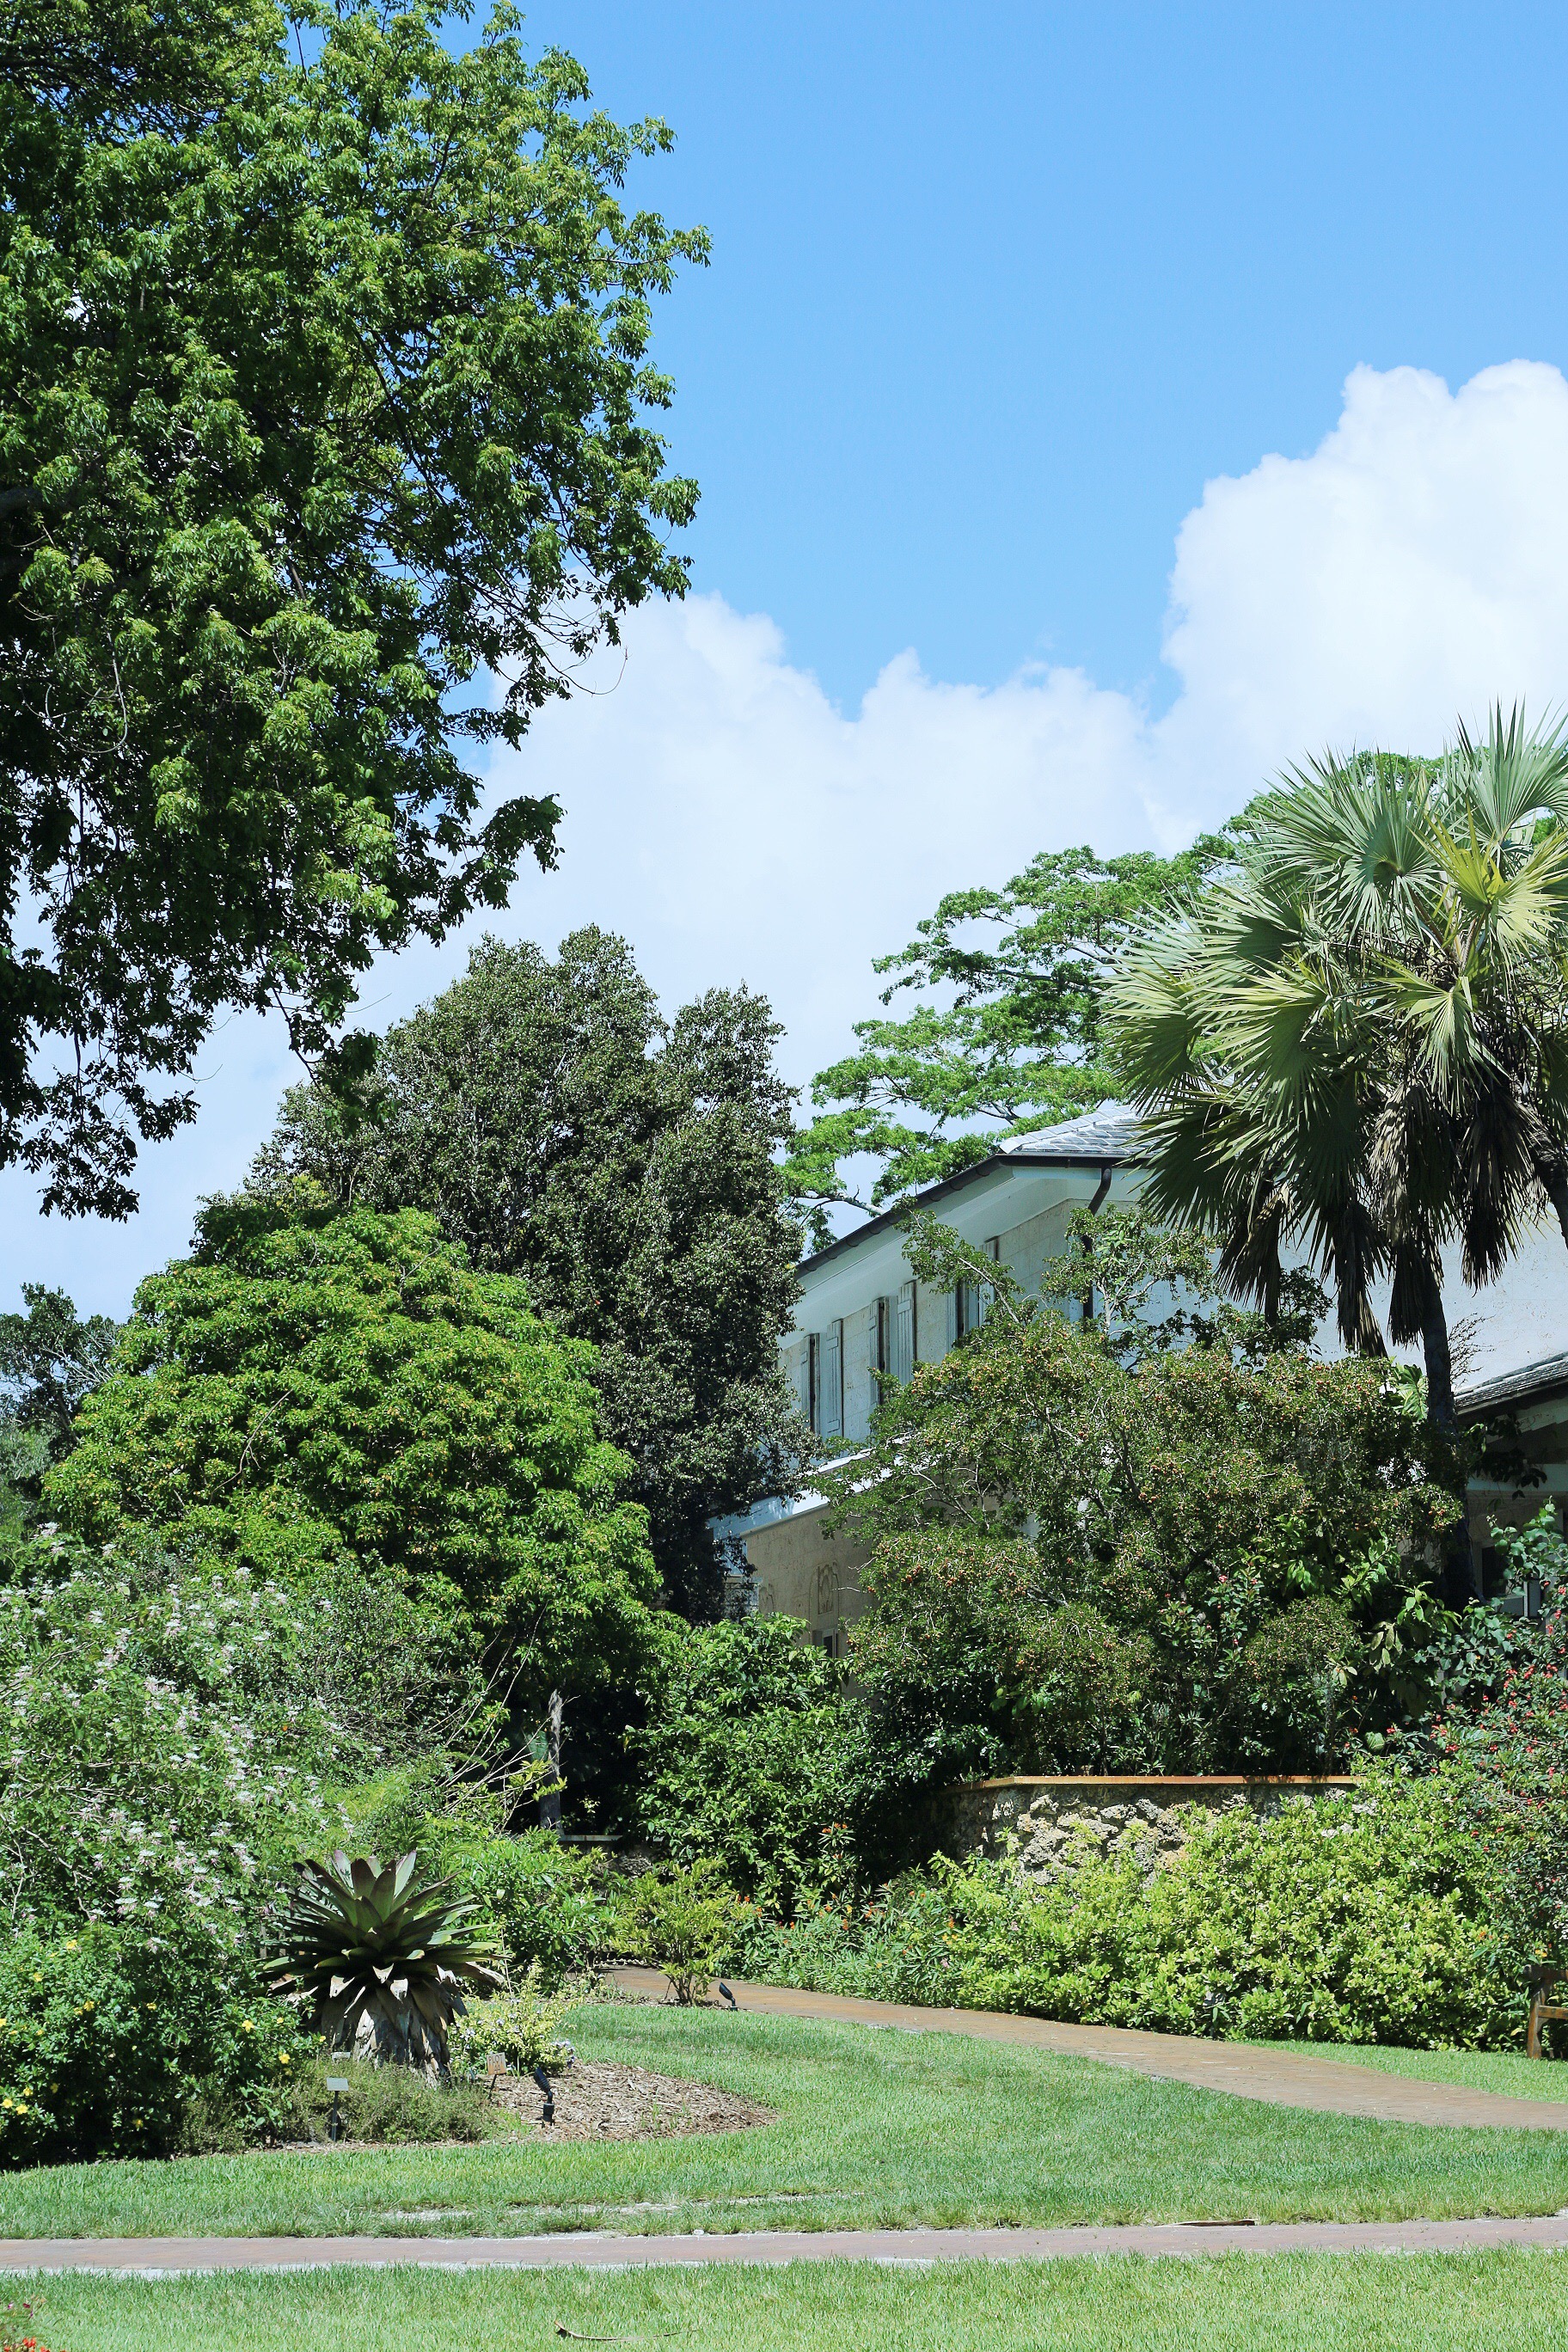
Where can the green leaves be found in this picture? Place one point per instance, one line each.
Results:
(362, 1943)
(1012, 1041)
(310, 1390)
(324, 387)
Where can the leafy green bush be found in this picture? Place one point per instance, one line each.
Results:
(386, 2106)
(520, 2024)
(1109, 1554)
(308, 1387)
(163, 1763)
(1514, 1739)
(541, 1896)
(108, 2047)
(1363, 1917)
(743, 1755)
(682, 1921)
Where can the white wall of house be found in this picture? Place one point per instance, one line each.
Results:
(1017, 1205)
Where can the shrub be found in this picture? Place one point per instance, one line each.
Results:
(163, 1764)
(682, 1921)
(542, 1897)
(517, 2023)
(1361, 1917)
(741, 1758)
(108, 2047)
(1516, 1744)
(385, 2106)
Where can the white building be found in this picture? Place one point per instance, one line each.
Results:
(860, 1312)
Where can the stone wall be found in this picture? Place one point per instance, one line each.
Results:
(1059, 1823)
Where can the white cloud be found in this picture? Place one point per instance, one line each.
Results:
(736, 824)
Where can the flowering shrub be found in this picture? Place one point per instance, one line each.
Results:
(157, 1770)
(519, 2023)
(106, 2043)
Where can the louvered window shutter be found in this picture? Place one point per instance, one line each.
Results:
(904, 1336)
(832, 1424)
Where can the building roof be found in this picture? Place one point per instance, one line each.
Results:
(1542, 1379)
(1103, 1137)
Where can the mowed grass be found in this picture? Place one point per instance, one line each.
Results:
(875, 2129)
(1507, 2071)
(1507, 2300)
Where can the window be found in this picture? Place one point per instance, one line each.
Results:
(877, 1340)
(972, 1301)
(905, 1336)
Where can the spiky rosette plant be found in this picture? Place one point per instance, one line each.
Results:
(363, 1942)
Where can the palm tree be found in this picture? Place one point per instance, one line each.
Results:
(1359, 1039)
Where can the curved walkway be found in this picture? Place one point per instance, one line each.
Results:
(1282, 2078)
(587, 2250)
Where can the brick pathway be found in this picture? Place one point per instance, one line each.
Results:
(588, 2250)
(1283, 2078)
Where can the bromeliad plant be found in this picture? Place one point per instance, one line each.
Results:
(365, 1943)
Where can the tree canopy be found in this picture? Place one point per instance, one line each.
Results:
(1216, 1555)
(559, 1130)
(310, 1391)
(1006, 1033)
(324, 457)
(1357, 1039)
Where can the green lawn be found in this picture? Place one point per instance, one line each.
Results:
(1503, 2302)
(1508, 2071)
(875, 2128)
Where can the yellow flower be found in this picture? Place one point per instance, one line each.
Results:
(152, 2004)
(246, 2026)
(4, 2102)
(37, 1976)
(21, 2110)
(283, 2058)
(71, 1944)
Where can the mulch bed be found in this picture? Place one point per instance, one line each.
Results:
(599, 2099)
(594, 2099)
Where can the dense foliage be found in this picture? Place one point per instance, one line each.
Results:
(743, 1757)
(1352, 1042)
(51, 1358)
(1514, 1738)
(1119, 1556)
(324, 396)
(1361, 1917)
(561, 1130)
(1006, 1033)
(306, 1390)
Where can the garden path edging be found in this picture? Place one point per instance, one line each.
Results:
(589, 2250)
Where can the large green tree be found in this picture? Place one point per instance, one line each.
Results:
(1357, 1039)
(308, 1393)
(324, 457)
(1004, 1033)
(561, 1130)
(1096, 1550)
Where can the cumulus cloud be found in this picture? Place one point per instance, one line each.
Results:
(736, 824)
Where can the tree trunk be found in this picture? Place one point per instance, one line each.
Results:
(1440, 1409)
(1459, 1569)
(1555, 1179)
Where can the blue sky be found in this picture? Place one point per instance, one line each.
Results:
(1094, 408)
(995, 290)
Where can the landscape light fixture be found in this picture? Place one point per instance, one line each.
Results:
(336, 2084)
(542, 2079)
(728, 1994)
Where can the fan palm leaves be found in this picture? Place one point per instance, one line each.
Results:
(1358, 1039)
(361, 1942)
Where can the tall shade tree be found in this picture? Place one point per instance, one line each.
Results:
(561, 1130)
(1359, 1038)
(1004, 1033)
(324, 457)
